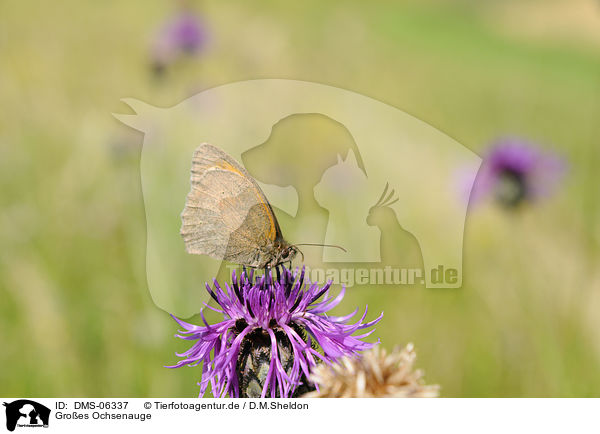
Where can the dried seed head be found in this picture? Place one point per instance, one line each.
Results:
(373, 374)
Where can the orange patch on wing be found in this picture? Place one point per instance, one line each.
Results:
(222, 164)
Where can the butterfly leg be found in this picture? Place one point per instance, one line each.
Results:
(278, 273)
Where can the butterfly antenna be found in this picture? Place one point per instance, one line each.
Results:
(321, 245)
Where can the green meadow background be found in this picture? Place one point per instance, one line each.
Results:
(76, 318)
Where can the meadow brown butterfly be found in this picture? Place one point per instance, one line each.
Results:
(228, 217)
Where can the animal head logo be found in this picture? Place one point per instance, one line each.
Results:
(27, 413)
(419, 162)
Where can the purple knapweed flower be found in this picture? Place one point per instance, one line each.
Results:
(267, 342)
(184, 34)
(515, 171)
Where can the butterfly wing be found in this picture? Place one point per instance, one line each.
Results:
(226, 214)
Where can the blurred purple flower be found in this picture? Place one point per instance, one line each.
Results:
(183, 34)
(515, 171)
(261, 347)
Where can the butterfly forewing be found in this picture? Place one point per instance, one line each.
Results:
(226, 214)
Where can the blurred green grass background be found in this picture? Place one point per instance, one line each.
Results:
(76, 318)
